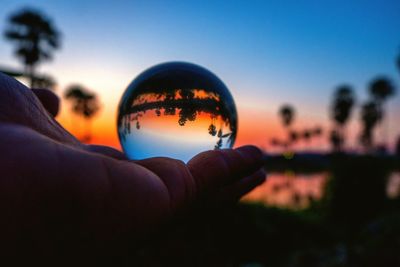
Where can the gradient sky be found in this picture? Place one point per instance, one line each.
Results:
(267, 53)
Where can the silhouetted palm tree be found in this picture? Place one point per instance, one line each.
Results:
(35, 38)
(85, 104)
(370, 116)
(287, 114)
(317, 131)
(293, 136)
(343, 104)
(336, 140)
(44, 81)
(276, 142)
(307, 135)
(381, 89)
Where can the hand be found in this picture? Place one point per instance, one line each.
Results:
(61, 196)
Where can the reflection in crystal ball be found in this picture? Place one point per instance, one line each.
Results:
(176, 110)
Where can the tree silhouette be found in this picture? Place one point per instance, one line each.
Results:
(35, 38)
(287, 115)
(317, 131)
(370, 116)
(342, 106)
(307, 134)
(293, 136)
(44, 81)
(85, 104)
(381, 89)
(274, 142)
(336, 140)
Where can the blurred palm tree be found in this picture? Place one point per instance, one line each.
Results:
(317, 133)
(381, 89)
(85, 104)
(307, 134)
(293, 136)
(275, 142)
(370, 116)
(336, 140)
(35, 38)
(44, 81)
(287, 115)
(343, 104)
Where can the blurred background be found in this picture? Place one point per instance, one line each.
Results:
(316, 87)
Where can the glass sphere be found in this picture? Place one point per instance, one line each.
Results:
(176, 110)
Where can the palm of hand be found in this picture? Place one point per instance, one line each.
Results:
(93, 192)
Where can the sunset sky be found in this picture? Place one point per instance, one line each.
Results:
(267, 54)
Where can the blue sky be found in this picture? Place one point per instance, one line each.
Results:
(268, 53)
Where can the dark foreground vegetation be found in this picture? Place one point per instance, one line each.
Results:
(355, 224)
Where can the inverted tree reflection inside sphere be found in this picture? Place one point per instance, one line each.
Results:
(176, 110)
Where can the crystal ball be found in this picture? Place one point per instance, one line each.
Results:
(176, 110)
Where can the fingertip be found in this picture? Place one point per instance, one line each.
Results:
(250, 149)
(234, 192)
(261, 176)
(251, 152)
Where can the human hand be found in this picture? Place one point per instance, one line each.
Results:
(61, 196)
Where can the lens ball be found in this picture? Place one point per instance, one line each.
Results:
(176, 110)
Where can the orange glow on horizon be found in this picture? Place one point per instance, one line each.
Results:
(253, 128)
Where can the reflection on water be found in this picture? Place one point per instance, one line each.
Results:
(176, 110)
(289, 190)
(393, 185)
